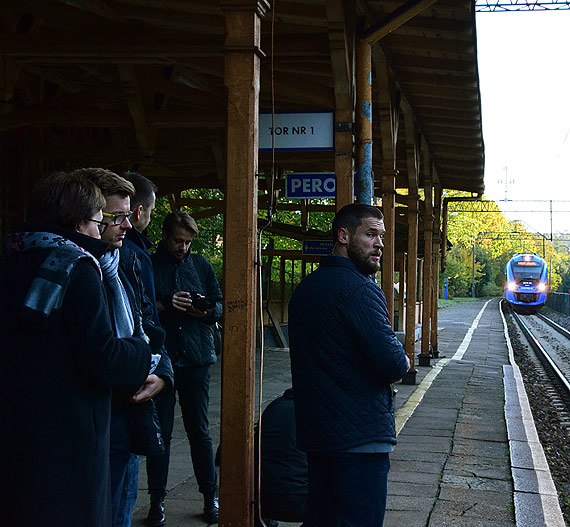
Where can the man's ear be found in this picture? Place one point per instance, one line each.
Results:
(342, 236)
(137, 213)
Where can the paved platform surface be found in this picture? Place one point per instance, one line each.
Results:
(452, 465)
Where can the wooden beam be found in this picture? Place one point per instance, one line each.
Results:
(119, 118)
(411, 280)
(340, 17)
(436, 243)
(389, 251)
(399, 43)
(401, 292)
(242, 70)
(424, 358)
(395, 19)
(118, 47)
(145, 138)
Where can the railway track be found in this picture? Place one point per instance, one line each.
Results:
(552, 351)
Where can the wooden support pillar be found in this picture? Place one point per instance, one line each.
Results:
(424, 358)
(411, 288)
(402, 295)
(389, 251)
(436, 243)
(420, 291)
(340, 19)
(344, 160)
(241, 76)
(444, 235)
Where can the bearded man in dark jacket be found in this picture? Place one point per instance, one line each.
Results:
(60, 360)
(189, 302)
(344, 355)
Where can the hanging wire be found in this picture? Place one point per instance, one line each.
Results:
(259, 271)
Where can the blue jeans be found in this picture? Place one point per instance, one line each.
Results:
(129, 494)
(347, 489)
(192, 384)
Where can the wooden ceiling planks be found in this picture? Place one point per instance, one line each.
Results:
(151, 74)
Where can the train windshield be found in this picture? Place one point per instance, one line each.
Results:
(527, 270)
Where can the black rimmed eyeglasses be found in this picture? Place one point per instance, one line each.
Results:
(101, 225)
(118, 218)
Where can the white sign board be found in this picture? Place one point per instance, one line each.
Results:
(297, 131)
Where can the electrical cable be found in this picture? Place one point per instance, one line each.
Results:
(259, 272)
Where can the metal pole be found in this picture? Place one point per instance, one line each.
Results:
(364, 184)
(473, 273)
(550, 220)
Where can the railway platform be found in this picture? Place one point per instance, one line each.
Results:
(467, 455)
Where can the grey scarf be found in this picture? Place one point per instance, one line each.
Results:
(121, 311)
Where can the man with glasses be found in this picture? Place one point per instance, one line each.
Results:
(189, 303)
(131, 314)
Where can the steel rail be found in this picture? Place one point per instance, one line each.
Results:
(541, 352)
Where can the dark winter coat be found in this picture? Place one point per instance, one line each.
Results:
(138, 243)
(344, 355)
(189, 340)
(130, 273)
(56, 393)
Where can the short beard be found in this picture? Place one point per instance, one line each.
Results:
(359, 259)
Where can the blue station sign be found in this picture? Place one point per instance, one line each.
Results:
(305, 185)
(317, 247)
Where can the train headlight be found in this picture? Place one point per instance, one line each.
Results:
(542, 287)
(512, 286)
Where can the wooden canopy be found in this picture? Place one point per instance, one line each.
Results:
(123, 83)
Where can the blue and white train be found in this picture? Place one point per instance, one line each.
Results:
(527, 282)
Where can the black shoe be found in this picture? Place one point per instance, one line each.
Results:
(211, 508)
(156, 516)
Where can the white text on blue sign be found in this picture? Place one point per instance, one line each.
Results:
(305, 185)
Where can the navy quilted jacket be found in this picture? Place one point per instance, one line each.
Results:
(344, 355)
(189, 340)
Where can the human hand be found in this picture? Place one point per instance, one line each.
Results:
(181, 301)
(193, 312)
(408, 362)
(151, 387)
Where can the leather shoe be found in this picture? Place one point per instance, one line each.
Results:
(156, 516)
(211, 508)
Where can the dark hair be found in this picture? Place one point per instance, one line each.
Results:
(109, 182)
(179, 219)
(350, 217)
(144, 189)
(64, 199)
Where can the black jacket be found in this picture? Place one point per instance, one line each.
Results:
(141, 246)
(130, 273)
(188, 338)
(55, 385)
(344, 355)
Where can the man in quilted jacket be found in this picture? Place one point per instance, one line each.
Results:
(344, 355)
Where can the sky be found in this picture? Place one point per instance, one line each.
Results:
(524, 72)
